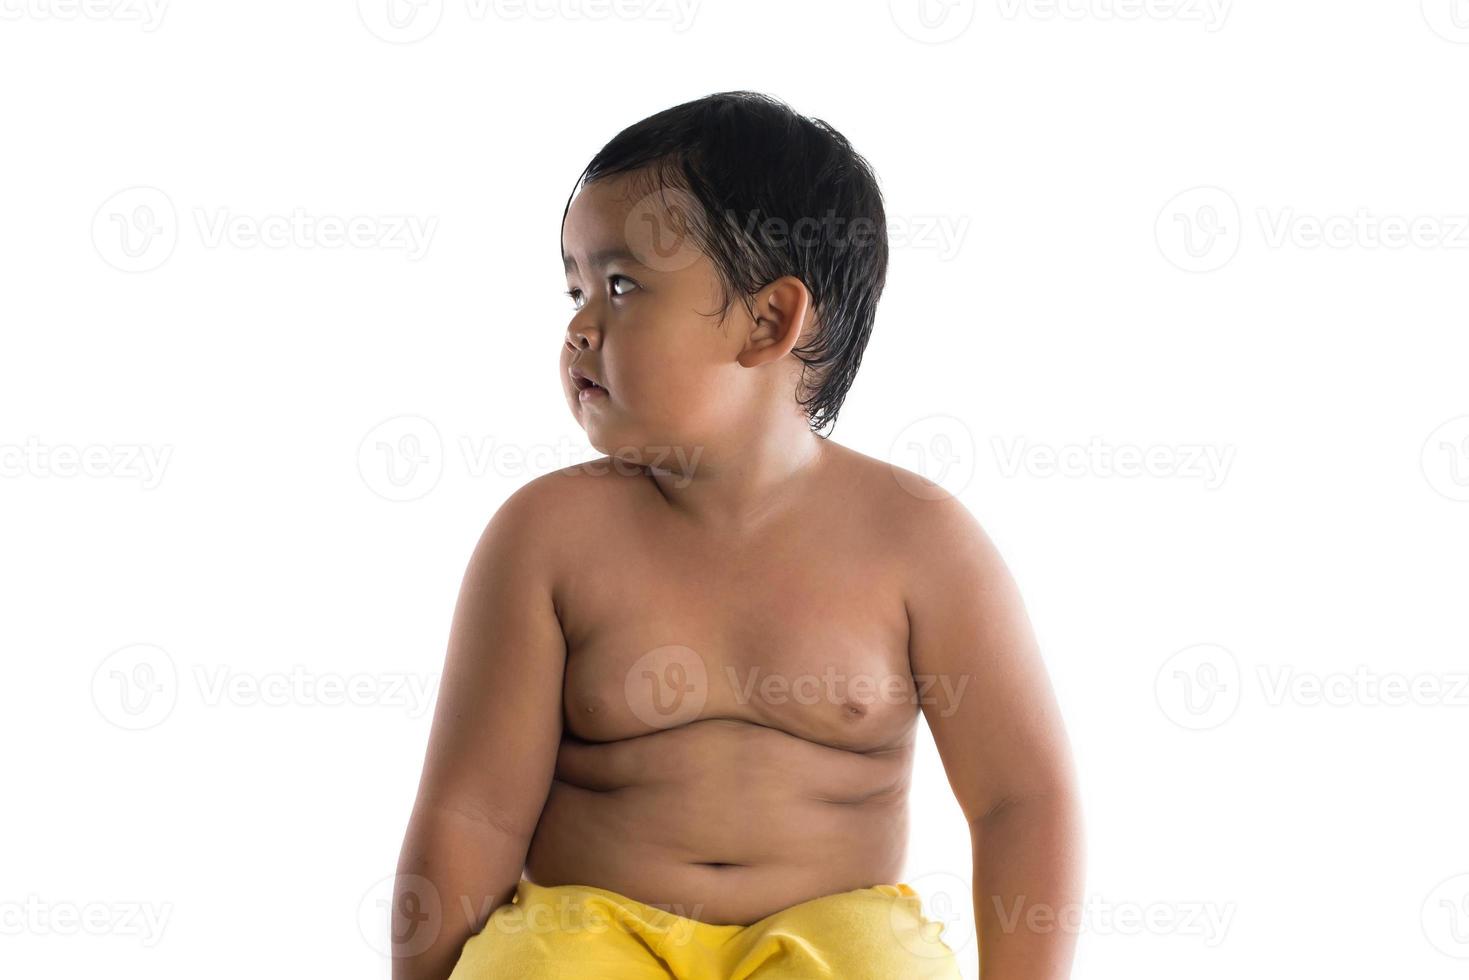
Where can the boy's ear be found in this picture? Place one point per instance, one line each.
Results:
(781, 311)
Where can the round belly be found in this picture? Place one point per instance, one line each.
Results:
(723, 821)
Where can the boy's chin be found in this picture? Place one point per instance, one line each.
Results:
(632, 448)
(605, 442)
(630, 452)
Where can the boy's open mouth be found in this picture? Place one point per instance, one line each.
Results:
(584, 383)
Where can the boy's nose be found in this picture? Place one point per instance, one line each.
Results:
(581, 335)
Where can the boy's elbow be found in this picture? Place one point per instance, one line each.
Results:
(1058, 798)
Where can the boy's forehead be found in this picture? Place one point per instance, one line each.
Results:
(595, 225)
(623, 219)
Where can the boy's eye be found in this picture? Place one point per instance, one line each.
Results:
(577, 301)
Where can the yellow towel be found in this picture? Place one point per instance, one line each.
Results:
(577, 932)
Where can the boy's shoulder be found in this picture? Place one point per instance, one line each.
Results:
(909, 508)
(562, 494)
(559, 503)
(946, 559)
(889, 509)
(926, 531)
(555, 517)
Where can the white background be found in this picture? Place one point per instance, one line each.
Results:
(1224, 637)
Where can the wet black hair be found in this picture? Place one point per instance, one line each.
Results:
(762, 174)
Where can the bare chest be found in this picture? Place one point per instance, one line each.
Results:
(785, 636)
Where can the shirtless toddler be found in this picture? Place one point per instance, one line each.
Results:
(675, 731)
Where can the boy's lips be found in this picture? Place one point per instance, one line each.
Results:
(586, 386)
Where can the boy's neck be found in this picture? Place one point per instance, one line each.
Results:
(742, 483)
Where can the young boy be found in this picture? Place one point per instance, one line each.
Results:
(675, 731)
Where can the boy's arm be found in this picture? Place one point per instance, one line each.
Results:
(1003, 747)
(492, 748)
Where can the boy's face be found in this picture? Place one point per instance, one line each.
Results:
(640, 327)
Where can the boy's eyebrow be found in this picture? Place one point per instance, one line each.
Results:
(602, 256)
